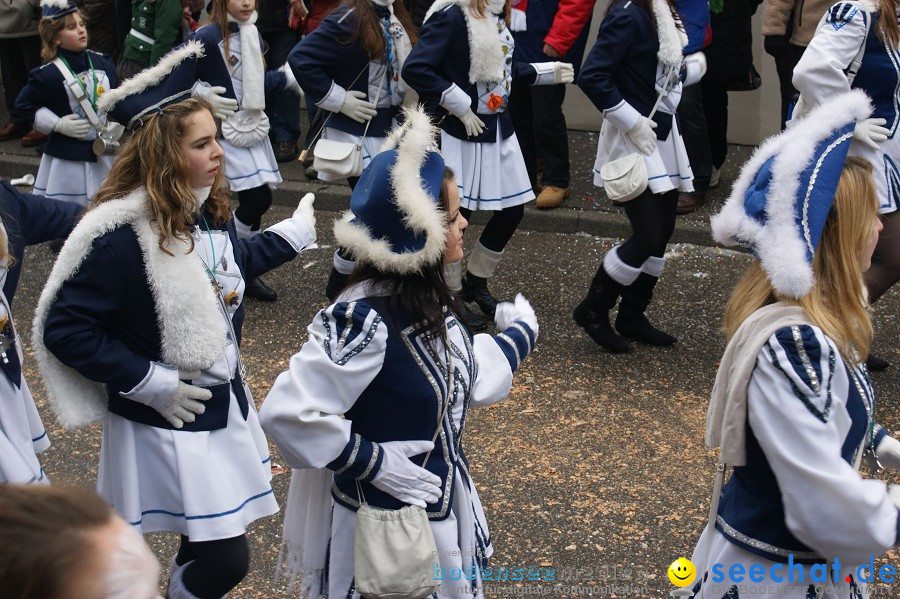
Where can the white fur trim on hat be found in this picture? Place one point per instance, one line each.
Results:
(672, 38)
(60, 4)
(150, 77)
(485, 53)
(413, 141)
(778, 243)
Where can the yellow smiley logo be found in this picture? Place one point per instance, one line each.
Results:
(682, 572)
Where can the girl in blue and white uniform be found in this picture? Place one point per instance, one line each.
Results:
(139, 328)
(355, 54)
(638, 58)
(69, 168)
(232, 76)
(25, 219)
(857, 45)
(387, 369)
(793, 409)
(463, 67)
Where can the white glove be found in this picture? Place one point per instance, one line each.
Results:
(223, 106)
(304, 212)
(403, 480)
(357, 108)
(642, 135)
(888, 452)
(871, 132)
(520, 309)
(474, 125)
(563, 72)
(114, 131)
(73, 126)
(182, 406)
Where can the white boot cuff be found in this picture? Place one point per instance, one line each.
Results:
(653, 266)
(619, 271)
(483, 262)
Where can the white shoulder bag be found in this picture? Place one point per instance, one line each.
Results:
(626, 178)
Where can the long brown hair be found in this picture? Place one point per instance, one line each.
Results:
(152, 157)
(837, 303)
(369, 33)
(49, 30)
(45, 537)
(888, 29)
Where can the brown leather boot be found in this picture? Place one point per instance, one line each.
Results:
(552, 197)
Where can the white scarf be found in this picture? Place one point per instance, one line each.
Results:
(252, 70)
(485, 53)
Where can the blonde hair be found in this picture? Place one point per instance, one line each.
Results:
(49, 30)
(481, 8)
(152, 157)
(837, 303)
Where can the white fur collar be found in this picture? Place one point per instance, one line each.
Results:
(187, 312)
(672, 38)
(485, 53)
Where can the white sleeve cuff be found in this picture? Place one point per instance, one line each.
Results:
(292, 83)
(695, 65)
(201, 90)
(296, 232)
(159, 383)
(334, 99)
(45, 120)
(455, 100)
(623, 116)
(545, 75)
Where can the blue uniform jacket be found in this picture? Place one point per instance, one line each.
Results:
(323, 59)
(212, 69)
(103, 322)
(46, 87)
(28, 219)
(622, 64)
(441, 58)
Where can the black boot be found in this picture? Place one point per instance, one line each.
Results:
(631, 321)
(257, 289)
(592, 314)
(336, 283)
(475, 322)
(475, 289)
(876, 364)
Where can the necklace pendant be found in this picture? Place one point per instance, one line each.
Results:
(224, 264)
(216, 287)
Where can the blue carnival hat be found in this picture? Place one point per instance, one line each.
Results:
(779, 203)
(151, 90)
(54, 9)
(395, 221)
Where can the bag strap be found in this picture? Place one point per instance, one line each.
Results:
(315, 137)
(450, 379)
(76, 89)
(662, 92)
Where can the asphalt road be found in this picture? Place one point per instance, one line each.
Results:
(593, 466)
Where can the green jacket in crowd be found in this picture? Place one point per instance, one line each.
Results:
(155, 27)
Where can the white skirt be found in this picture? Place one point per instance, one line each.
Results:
(668, 167)
(22, 435)
(71, 180)
(207, 485)
(370, 148)
(724, 552)
(490, 176)
(461, 536)
(246, 168)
